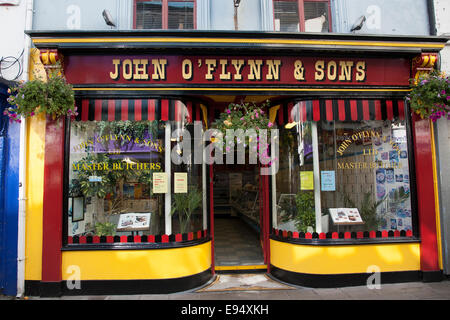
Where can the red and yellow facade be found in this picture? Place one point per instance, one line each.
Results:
(124, 66)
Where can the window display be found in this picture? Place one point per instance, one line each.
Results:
(343, 175)
(122, 182)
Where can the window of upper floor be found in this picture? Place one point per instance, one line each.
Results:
(164, 14)
(302, 15)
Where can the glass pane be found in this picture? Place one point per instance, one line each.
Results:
(362, 165)
(188, 186)
(149, 15)
(111, 168)
(286, 16)
(316, 16)
(181, 15)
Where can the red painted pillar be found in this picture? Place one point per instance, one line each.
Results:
(429, 263)
(53, 208)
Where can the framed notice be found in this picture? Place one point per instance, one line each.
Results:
(180, 182)
(345, 216)
(134, 222)
(160, 182)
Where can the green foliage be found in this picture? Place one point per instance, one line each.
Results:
(105, 229)
(367, 209)
(184, 204)
(430, 96)
(54, 97)
(306, 216)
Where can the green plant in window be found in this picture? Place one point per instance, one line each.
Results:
(105, 229)
(184, 205)
(306, 216)
(367, 209)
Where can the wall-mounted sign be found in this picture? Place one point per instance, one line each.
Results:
(242, 70)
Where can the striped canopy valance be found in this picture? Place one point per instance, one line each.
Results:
(341, 110)
(137, 110)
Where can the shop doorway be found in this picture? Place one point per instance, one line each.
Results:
(239, 224)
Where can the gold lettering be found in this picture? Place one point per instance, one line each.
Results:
(159, 69)
(255, 69)
(346, 70)
(127, 69)
(140, 69)
(116, 74)
(211, 66)
(187, 69)
(224, 75)
(273, 72)
(238, 64)
(320, 74)
(360, 71)
(332, 71)
(299, 70)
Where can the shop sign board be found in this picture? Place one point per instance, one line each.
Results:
(236, 70)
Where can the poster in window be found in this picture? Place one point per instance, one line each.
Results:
(180, 182)
(306, 180)
(328, 180)
(160, 182)
(77, 209)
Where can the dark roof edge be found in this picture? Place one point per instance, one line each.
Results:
(233, 34)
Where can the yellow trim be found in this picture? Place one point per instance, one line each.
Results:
(137, 264)
(205, 115)
(345, 258)
(273, 113)
(250, 267)
(436, 198)
(237, 40)
(241, 89)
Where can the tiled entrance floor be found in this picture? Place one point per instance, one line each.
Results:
(235, 243)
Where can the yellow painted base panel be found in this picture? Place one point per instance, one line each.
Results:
(313, 259)
(136, 264)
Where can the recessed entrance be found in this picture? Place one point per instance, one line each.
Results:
(237, 225)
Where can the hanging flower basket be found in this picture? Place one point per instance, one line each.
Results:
(54, 98)
(244, 116)
(430, 96)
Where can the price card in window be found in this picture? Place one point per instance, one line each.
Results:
(328, 180)
(180, 182)
(159, 182)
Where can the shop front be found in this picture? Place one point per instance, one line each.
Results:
(137, 197)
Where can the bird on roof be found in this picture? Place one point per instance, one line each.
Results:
(358, 24)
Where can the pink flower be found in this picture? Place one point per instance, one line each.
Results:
(228, 111)
(270, 124)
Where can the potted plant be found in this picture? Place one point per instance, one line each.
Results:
(306, 216)
(54, 97)
(430, 96)
(184, 205)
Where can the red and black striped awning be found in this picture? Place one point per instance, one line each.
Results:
(341, 110)
(137, 110)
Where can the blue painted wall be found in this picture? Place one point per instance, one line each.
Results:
(9, 193)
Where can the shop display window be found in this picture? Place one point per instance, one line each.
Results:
(164, 14)
(344, 176)
(301, 16)
(122, 184)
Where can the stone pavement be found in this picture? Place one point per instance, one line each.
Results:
(266, 291)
